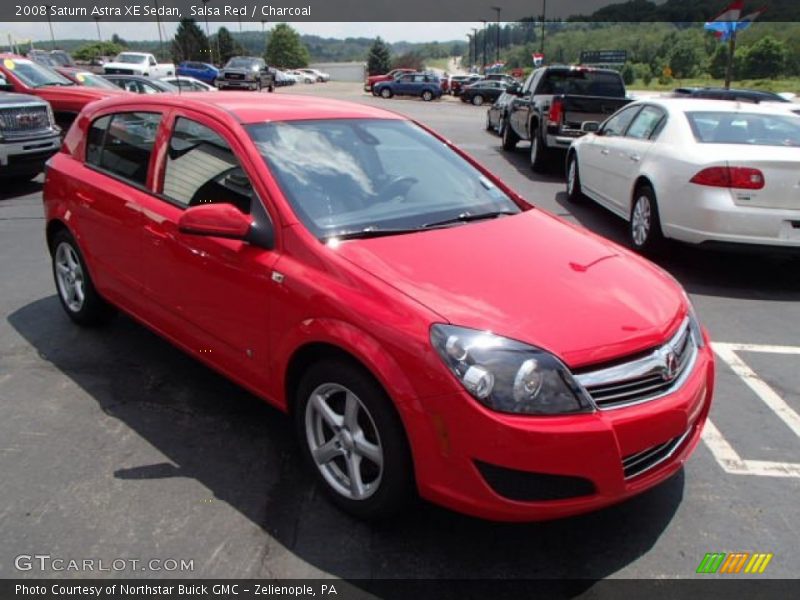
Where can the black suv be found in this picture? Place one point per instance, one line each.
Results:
(246, 73)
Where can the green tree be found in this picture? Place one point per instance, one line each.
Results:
(90, 51)
(628, 74)
(285, 49)
(409, 60)
(684, 57)
(228, 47)
(115, 39)
(765, 59)
(190, 43)
(380, 57)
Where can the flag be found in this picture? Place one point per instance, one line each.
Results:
(538, 59)
(730, 21)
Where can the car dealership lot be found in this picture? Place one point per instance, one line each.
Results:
(116, 445)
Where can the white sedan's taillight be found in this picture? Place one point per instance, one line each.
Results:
(744, 178)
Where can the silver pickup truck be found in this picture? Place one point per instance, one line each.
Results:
(28, 135)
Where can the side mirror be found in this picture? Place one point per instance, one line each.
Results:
(590, 126)
(215, 220)
(514, 89)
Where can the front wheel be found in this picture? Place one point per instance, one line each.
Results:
(645, 225)
(538, 152)
(427, 95)
(76, 292)
(510, 138)
(574, 191)
(353, 440)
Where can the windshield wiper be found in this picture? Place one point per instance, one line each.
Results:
(369, 232)
(466, 217)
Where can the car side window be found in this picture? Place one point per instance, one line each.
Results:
(617, 124)
(127, 145)
(94, 141)
(646, 123)
(202, 169)
(153, 62)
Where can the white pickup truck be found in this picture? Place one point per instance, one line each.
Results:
(138, 63)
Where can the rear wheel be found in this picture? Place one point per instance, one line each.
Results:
(510, 138)
(76, 292)
(645, 225)
(538, 152)
(386, 93)
(353, 440)
(477, 100)
(574, 192)
(427, 95)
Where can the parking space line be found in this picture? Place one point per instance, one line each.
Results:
(724, 453)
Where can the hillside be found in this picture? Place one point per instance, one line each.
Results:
(688, 11)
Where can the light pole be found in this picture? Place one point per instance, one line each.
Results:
(497, 41)
(544, 13)
(160, 38)
(208, 35)
(97, 23)
(475, 40)
(484, 44)
(52, 37)
(469, 50)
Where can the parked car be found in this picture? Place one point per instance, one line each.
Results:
(42, 57)
(505, 78)
(302, 77)
(65, 98)
(142, 64)
(189, 84)
(711, 93)
(700, 171)
(85, 78)
(317, 75)
(282, 78)
(141, 85)
(373, 80)
(63, 58)
(483, 90)
(28, 135)
(555, 103)
(198, 70)
(423, 85)
(497, 114)
(458, 82)
(246, 72)
(314, 252)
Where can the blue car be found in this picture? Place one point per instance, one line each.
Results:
(424, 85)
(203, 71)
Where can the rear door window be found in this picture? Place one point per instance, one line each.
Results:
(126, 145)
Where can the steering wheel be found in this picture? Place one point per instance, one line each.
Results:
(397, 187)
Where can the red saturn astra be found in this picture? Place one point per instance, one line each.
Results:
(427, 329)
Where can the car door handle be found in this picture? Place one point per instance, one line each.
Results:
(604, 151)
(157, 235)
(634, 157)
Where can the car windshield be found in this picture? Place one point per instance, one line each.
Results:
(133, 59)
(241, 63)
(34, 75)
(346, 176)
(757, 129)
(94, 81)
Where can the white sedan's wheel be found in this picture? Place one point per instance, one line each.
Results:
(645, 225)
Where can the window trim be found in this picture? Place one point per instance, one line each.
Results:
(660, 124)
(636, 110)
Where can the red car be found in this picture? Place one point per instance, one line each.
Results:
(66, 98)
(373, 79)
(425, 327)
(86, 78)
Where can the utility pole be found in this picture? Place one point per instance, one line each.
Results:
(97, 23)
(484, 45)
(208, 35)
(544, 16)
(475, 39)
(52, 36)
(160, 37)
(469, 50)
(497, 41)
(729, 67)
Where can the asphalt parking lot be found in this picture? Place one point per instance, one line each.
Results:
(113, 444)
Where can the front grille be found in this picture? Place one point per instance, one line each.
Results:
(646, 378)
(238, 76)
(24, 119)
(649, 458)
(115, 71)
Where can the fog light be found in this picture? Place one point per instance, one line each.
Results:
(478, 381)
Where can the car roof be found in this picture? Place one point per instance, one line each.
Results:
(247, 107)
(702, 104)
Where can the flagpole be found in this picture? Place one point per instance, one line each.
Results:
(731, 51)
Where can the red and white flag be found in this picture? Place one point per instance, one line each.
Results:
(538, 59)
(732, 13)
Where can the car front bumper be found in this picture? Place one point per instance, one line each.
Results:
(523, 468)
(709, 215)
(237, 84)
(19, 158)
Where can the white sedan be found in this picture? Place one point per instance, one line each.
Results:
(699, 171)
(189, 84)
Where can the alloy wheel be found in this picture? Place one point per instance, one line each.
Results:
(641, 220)
(69, 276)
(571, 177)
(344, 441)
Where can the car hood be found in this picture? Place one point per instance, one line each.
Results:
(76, 93)
(533, 278)
(7, 98)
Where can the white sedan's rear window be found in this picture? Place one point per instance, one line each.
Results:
(712, 127)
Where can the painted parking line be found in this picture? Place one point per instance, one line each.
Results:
(724, 453)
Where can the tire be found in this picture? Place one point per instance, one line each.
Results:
(539, 154)
(386, 93)
(488, 122)
(72, 281)
(477, 100)
(644, 229)
(574, 192)
(510, 138)
(501, 126)
(271, 88)
(386, 489)
(427, 95)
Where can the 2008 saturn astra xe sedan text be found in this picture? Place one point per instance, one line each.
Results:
(428, 330)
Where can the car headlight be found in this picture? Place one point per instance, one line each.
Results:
(509, 376)
(694, 325)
